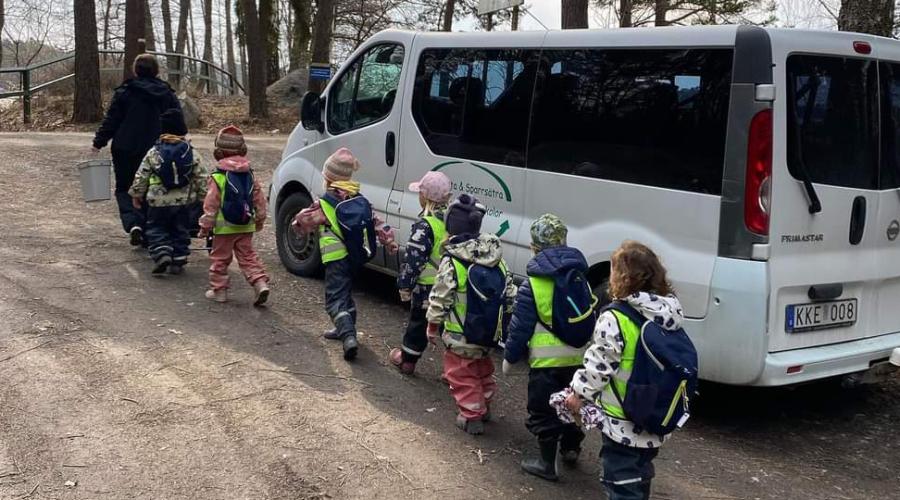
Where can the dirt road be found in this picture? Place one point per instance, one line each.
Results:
(122, 385)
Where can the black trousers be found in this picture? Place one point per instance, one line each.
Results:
(167, 233)
(339, 302)
(627, 471)
(542, 419)
(415, 340)
(125, 165)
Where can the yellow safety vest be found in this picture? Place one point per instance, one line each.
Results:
(631, 334)
(222, 225)
(438, 231)
(331, 240)
(453, 325)
(546, 350)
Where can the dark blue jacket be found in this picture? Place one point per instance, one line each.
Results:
(550, 263)
(132, 120)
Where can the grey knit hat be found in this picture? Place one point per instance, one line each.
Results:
(340, 166)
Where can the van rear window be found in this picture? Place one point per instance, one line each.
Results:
(832, 123)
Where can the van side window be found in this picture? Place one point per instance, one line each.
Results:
(365, 93)
(474, 103)
(651, 117)
(832, 123)
(890, 125)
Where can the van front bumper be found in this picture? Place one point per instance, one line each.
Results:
(827, 361)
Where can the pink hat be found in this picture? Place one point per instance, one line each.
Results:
(435, 186)
(340, 166)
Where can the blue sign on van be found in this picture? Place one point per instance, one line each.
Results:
(319, 71)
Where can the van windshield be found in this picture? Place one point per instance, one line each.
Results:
(832, 121)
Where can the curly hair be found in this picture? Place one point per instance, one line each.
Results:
(636, 268)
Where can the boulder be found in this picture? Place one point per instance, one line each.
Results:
(190, 110)
(289, 89)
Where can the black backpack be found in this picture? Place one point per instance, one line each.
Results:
(485, 301)
(574, 309)
(357, 222)
(176, 163)
(237, 204)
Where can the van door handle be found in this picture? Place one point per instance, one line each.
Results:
(390, 149)
(858, 220)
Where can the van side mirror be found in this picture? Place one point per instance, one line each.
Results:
(311, 112)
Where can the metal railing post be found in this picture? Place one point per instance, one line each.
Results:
(26, 96)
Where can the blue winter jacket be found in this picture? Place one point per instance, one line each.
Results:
(550, 262)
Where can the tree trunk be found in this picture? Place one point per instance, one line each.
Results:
(207, 46)
(184, 7)
(269, 30)
(88, 108)
(301, 34)
(867, 16)
(229, 41)
(148, 27)
(257, 56)
(574, 14)
(321, 45)
(134, 30)
(625, 11)
(106, 24)
(167, 24)
(449, 9)
(660, 9)
(2, 19)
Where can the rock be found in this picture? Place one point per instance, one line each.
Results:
(190, 110)
(71, 484)
(290, 88)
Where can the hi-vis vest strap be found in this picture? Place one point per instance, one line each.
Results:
(631, 334)
(222, 225)
(331, 242)
(438, 232)
(453, 325)
(546, 350)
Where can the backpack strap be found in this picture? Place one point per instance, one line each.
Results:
(628, 310)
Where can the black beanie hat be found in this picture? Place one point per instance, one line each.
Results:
(171, 121)
(464, 215)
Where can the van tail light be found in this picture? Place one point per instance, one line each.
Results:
(862, 47)
(758, 181)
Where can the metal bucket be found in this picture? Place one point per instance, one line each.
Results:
(95, 179)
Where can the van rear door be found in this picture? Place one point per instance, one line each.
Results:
(829, 270)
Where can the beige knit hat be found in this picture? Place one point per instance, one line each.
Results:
(340, 166)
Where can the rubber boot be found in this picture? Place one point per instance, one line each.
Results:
(332, 334)
(543, 466)
(351, 346)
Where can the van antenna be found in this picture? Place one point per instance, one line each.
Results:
(528, 11)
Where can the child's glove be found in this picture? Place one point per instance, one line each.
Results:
(433, 333)
(392, 248)
(136, 202)
(405, 294)
(203, 232)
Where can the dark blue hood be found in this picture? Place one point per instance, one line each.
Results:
(152, 87)
(556, 261)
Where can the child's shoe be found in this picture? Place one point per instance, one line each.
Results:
(351, 346)
(262, 292)
(217, 295)
(332, 334)
(543, 466)
(136, 236)
(162, 264)
(473, 427)
(176, 269)
(405, 367)
(570, 457)
(488, 416)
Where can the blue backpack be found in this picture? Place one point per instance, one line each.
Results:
(176, 163)
(237, 205)
(484, 324)
(574, 309)
(664, 376)
(357, 222)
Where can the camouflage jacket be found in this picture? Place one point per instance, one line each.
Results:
(157, 195)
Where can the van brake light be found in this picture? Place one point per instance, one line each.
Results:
(758, 181)
(862, 47)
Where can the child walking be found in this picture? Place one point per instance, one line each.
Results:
(552, 323)
(423, 255)
(347, 228)
(639, 280)
(233, 210)
(473, 322)
(170, 179)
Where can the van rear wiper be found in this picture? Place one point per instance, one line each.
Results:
(812, 86)
(815, 206)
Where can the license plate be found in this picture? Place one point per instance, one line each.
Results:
(820, 315)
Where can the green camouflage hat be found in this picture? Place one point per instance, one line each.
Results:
(548, 231)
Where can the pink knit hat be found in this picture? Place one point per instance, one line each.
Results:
(340, 166)
(435, 186)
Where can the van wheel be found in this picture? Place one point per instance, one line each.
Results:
(602, 292)
(299, 254)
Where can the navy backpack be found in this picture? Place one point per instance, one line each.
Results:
(237, 205)
(176, 163)
(574, 309)
(664, 376)
(485, 302)
(357, 222)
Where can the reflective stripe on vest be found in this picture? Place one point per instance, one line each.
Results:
(546, 350)
(438, 231)
(222, 225)
(331, 242)
(631, 334)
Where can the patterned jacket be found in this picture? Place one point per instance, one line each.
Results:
(156, 194)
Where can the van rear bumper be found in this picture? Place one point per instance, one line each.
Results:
(826, 361)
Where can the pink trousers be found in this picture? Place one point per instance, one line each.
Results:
(227, 246)
(471, 382)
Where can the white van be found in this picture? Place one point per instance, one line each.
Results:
(763, 165)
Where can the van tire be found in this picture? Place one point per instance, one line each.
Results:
(299, 255)
(602, 292)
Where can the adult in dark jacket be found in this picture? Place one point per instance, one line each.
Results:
(132, 123)
(552, 372)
